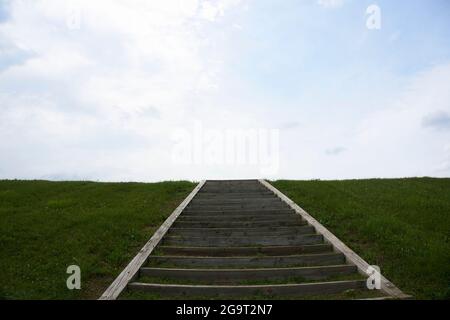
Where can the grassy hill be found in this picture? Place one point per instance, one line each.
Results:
(47, 226)
(401, 225)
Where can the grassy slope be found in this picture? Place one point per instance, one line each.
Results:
(401, 225)
(45, 227)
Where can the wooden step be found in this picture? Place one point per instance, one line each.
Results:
(227, 235)
(241, 232)
(261, 212)
(295, 290)
(249, 262)
(289, 240)
(224, 218)
(236, 207)
(233, 276)
(244, 251)
(220, 202)
(232, 182)
(236, 196)
(231, 190)
(239, 224)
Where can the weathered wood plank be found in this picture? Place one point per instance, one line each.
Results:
(244, 251)
(287, 240)
(295, 290)
(234, 276)
(302, 260)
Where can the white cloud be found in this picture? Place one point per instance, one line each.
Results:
(91, 92)
(438, 119)
(101, 101)
(395, 135)
(335, 151)
(444, 166)
(389, 141)
(330, 4)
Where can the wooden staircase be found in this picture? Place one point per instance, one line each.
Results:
(243, 239)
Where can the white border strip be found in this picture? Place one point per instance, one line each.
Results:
(386, 286)
(121, 282)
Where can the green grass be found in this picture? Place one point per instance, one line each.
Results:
(47, 226)
(401, 225)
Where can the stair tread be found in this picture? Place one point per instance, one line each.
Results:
(251, 286)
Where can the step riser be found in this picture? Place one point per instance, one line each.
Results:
(233, 190)
(281, 216)
(240, 196)
(212, 276)
(250, 262)
(219, 202)
(263, 198)
(262, 207)
(261, 224)
(244, 188)
(231, 233)
(236, 209)
(232, 182)
(236, 198)
(239, 291)
(238, 214)
(226, 193)
(267, 231)
(245, 251)
(239, 242)
(237, 234)
(188, 212)
(232, 185)
(247, 214)
(225, 203)
(273, 218)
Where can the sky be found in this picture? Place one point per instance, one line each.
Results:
(146, 90)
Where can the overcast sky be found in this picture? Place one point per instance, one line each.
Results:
(110, 90)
